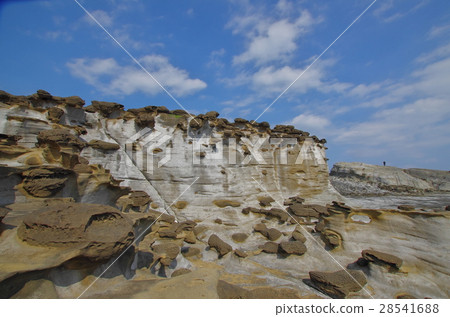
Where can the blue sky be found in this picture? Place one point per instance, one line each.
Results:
(380, 93)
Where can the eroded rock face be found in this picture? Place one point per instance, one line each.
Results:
(382, 258)
(98, 231)
(338, 284)
(45, 181)
(60, 137)
(365, 179)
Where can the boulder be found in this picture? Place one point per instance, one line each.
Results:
(270, 233)
(247, 210)
(166, 250)
(297, 235)
(196, 123)
(97, 231)
(221, 247)
(302, 211)
(239, 237)
(292, 247)
(240, 120)
(382, 258)
(103, 145)
(190, 252)
(338, 284)
(60, 137)
(45, 181)
(211, 115)
(269, 247)
(105, 108)
(145, 119)
(265, 201)
(54, 114)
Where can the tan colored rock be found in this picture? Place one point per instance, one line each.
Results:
(382, 258)
(97, 231)
(338, 284)
(179, 272)
(269, 247)
(239, 237)
(54, 114)
(166, 249)
(103, 145)
(332, 238)
(45, 181)
(240, 253)
(292, 247)
(221, 247)
(227, 290)
(190, 252)
(224, 203)
(61, 137)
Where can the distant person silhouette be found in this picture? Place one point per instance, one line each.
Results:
(384, 163)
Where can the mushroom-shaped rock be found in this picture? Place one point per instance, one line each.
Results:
(221, 247)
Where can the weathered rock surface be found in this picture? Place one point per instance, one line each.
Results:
(98, 231)
(338, 284)
(45, 181)
(364, 179)
(172, 180)
(292, 247)
(382, 258)
(103, 145)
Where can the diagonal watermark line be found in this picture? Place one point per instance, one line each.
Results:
(132, 57)
(314, 61)
(137, 238)
(312, 237)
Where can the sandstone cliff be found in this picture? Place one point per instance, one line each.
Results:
(103, 202)
(354, 179)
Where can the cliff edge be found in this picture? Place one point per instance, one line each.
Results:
(360, 179)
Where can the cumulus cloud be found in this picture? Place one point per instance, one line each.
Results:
(311, 122)
(270, 39)
(111, 78)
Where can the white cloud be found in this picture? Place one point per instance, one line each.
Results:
(439, 30)
(111, 78)
(101, 16)
(271, 79)
(277, 41)
(310, 122)
(270, 39)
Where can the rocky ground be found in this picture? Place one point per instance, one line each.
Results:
(80, 217)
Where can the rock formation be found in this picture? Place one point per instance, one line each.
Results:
(364, 179)
(136, 202)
